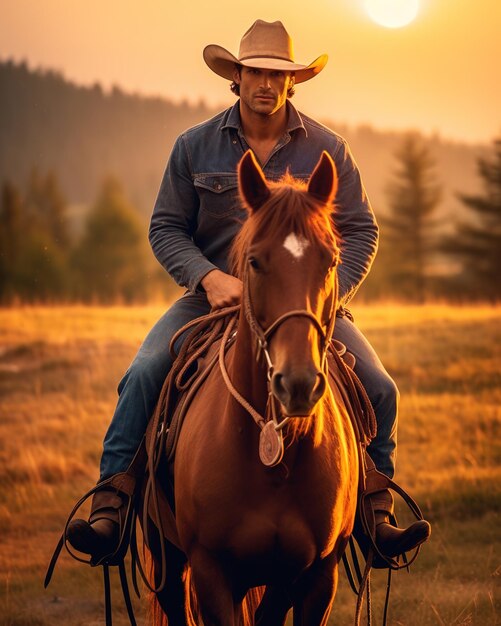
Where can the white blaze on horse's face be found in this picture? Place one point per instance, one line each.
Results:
(296, 245)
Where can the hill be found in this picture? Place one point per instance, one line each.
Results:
(84, 133)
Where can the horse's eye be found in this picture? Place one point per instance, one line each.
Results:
(253, 263)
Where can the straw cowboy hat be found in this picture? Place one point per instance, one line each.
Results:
(266, 45)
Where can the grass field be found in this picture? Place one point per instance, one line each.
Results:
(59, 368)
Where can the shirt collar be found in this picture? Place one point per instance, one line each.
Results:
(294, 120)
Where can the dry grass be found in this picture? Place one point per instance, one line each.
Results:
(59, 368)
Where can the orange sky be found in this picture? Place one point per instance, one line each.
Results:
(439, 74)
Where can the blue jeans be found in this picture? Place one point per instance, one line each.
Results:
(140, 388)
(382, 392)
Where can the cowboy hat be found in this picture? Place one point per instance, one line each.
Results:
(266, 45)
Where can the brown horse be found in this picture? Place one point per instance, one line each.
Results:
(283, 525)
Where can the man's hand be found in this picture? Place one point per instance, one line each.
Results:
(222, 289)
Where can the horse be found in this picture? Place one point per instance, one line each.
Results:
(264, 507)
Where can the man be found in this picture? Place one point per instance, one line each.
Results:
(194, 222)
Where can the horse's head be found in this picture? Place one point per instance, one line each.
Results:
(286, 254)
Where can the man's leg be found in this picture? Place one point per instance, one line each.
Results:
(383, 394)
(140, 387)
(138, 391)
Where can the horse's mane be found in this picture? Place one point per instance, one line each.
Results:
(289, 209)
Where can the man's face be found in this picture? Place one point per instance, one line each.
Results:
(263, 91)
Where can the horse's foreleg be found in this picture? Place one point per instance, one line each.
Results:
(172, 596)
(274, 607)
(218, 602)
(314, 593)
(171, 599)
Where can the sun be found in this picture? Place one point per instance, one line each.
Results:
(392, 13)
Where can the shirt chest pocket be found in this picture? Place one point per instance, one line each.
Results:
(218, 194)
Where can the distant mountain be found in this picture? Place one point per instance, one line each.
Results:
(84, 133)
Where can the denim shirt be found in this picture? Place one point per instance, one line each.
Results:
(198, 213)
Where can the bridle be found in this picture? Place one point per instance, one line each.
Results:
(263, 335)
(272, 424)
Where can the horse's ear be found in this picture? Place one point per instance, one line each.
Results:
(323, 181)
(251, 182)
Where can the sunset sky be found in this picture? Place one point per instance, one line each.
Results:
(440, 73)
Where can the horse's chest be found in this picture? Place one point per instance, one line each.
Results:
(279, 515)
(279, 543)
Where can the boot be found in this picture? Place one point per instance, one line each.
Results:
(391, 540)
(101, 535)
(376, 524)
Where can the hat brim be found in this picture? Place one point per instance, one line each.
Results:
(223, 63)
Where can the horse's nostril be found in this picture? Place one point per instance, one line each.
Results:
(319, 388)
(278, 387)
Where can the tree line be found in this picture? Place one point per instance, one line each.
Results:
(84, 132)
(42, 259)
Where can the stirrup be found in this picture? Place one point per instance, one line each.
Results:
(364, 533)
(380, 482)
(125, 483)
(116, 558)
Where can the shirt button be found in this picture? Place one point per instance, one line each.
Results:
(234, 141)
(218, 186)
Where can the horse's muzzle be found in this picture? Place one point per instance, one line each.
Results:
(299, 392)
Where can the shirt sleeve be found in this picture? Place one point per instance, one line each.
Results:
(356, 224)
(174, 222)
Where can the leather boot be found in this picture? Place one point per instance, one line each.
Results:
(100, 536)
(391, 540)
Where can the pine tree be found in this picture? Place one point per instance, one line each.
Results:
(407, 237)
(45, 271)
(47, 208)
(110, 260)
(56, 211)
(10, 241)
(477, 243)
